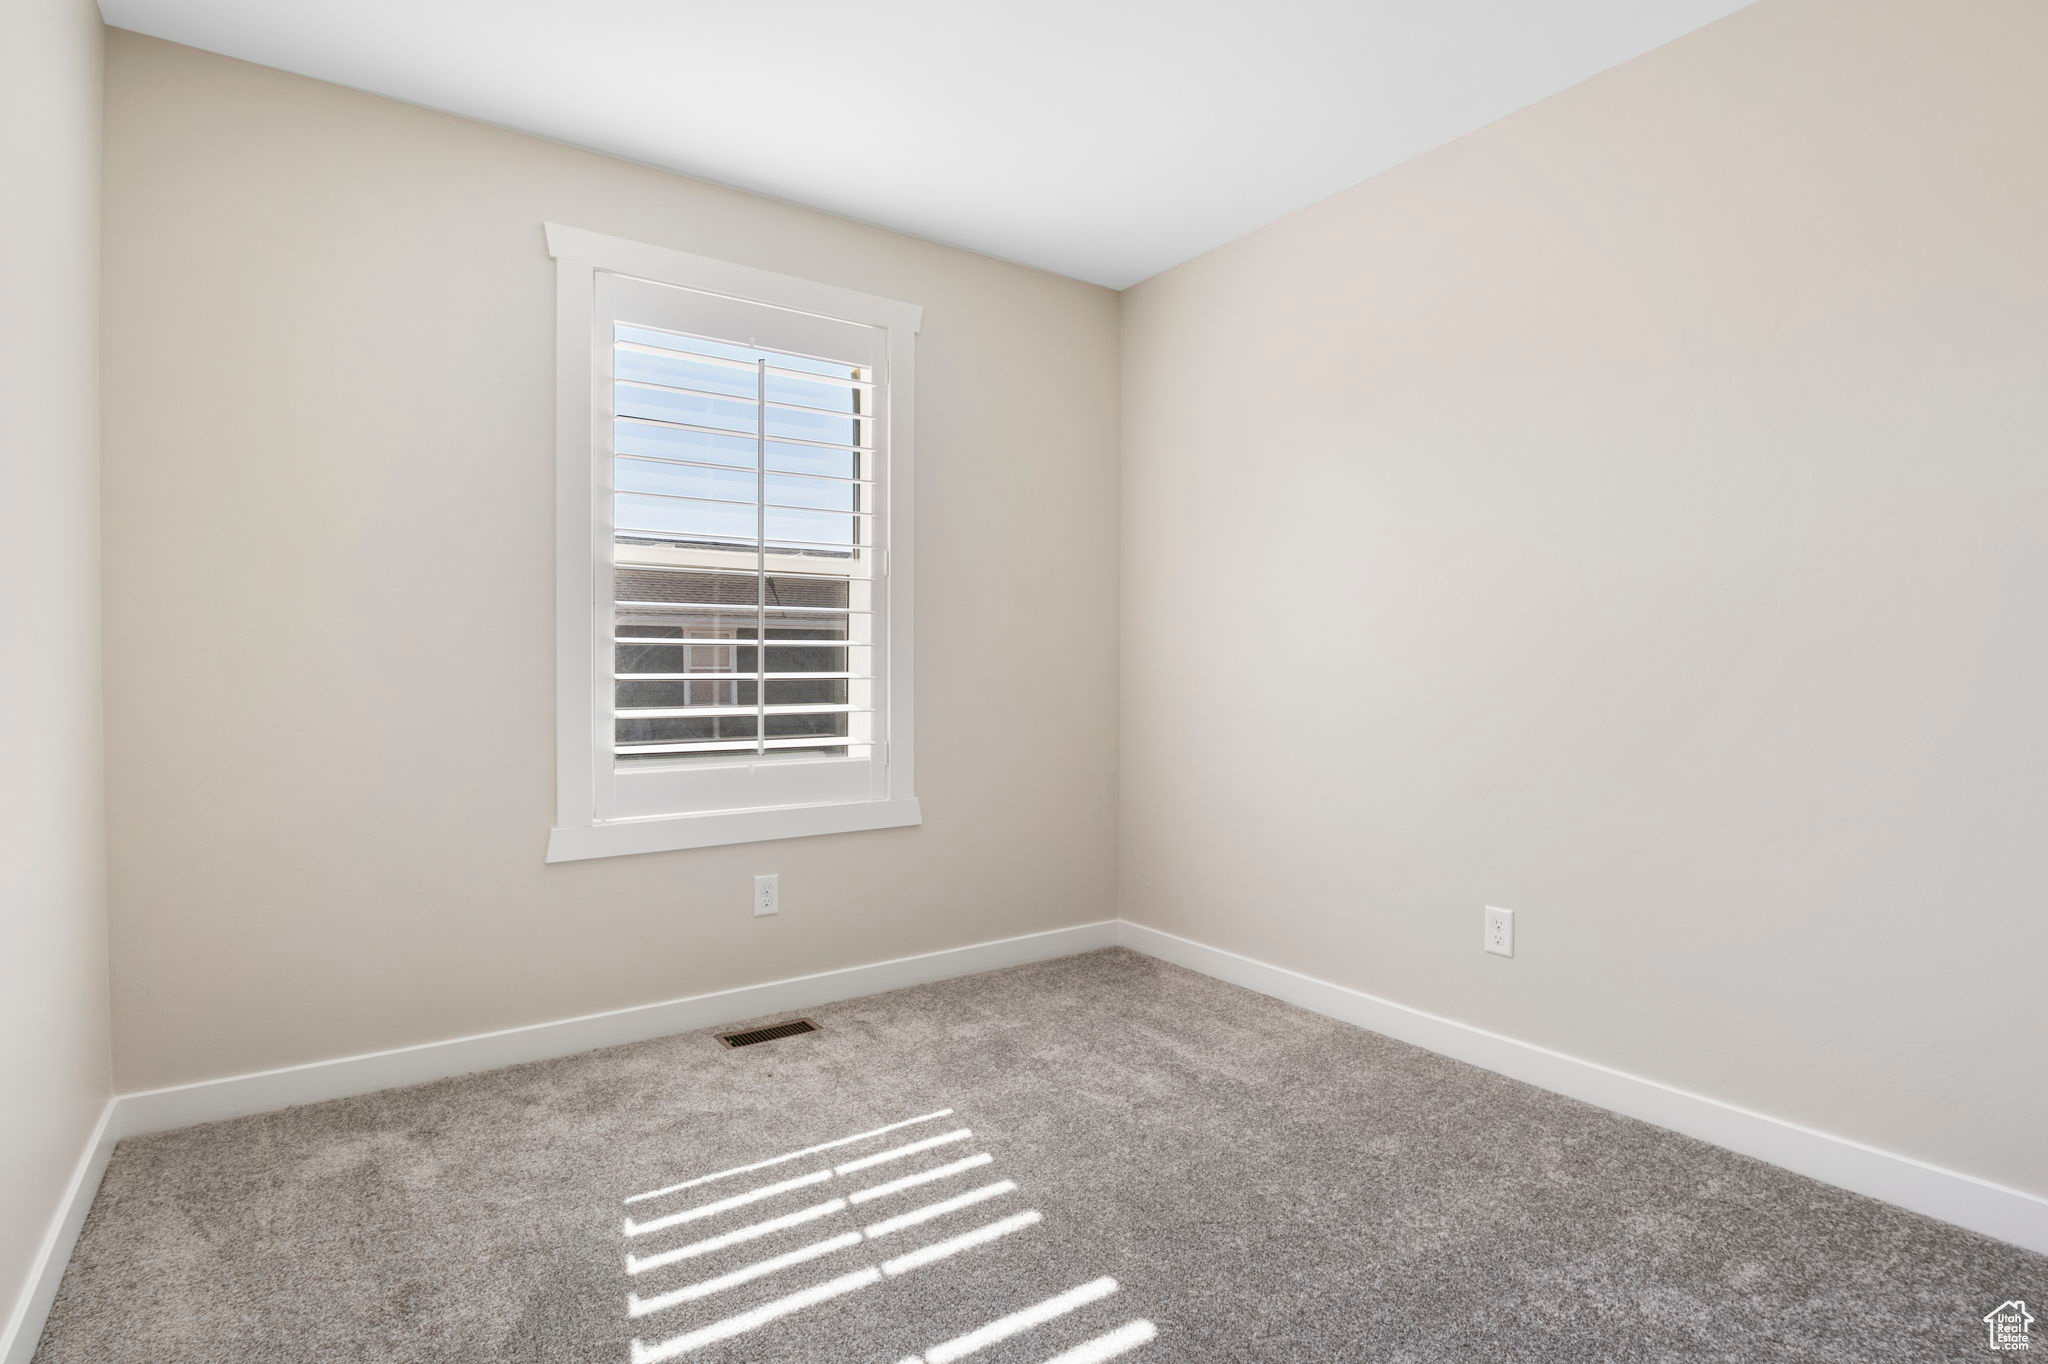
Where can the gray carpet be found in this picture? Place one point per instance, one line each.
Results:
(1258, 1182)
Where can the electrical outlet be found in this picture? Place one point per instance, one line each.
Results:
(768, 894)
(1500, 931)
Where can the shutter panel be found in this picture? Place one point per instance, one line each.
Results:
(746, 554)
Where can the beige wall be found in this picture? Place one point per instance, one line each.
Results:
(329, 521)
(1632, 514)
(53, 963)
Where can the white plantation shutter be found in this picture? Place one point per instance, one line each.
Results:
(740, 601)
(744, 447)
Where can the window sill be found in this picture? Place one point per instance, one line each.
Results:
(624, 837)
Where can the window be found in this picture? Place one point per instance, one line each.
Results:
(734, 551)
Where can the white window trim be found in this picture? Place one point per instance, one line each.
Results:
(583, 526)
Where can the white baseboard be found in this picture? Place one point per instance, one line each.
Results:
(1993, 1210)
(157, 1110)
(24, 1326)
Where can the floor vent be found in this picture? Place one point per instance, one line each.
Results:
(748, 1039)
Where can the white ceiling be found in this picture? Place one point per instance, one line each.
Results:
(1104, 139)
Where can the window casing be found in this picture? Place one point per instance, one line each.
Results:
(732, 598)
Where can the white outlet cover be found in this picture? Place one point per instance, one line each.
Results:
(767, 894)
(1500, 931)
